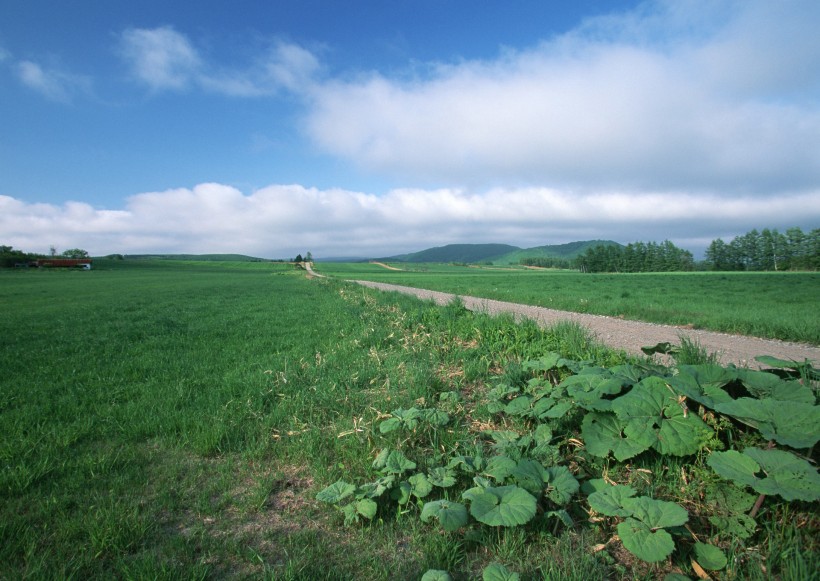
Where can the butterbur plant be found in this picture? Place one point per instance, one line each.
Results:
(571, 423)
(643, 530)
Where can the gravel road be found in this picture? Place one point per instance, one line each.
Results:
(629, 335)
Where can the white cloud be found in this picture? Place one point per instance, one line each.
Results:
(165, 59)
(52, 83)
(634, 101)
(281, 220)
(161, 57)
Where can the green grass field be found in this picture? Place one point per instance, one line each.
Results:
(769, 305)
(176, 420)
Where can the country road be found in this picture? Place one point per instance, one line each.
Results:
(624, 334)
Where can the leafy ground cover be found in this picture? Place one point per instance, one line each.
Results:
(770, 305)
(180, 421)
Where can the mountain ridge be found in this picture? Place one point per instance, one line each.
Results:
(497, 253)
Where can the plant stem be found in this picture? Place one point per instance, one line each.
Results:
(762, 497)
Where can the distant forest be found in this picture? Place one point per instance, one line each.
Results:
(767, 250)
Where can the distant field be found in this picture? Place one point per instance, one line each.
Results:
(177, 420)
(770, 305)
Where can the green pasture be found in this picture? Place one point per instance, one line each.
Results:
(176, 420)
(769, 305)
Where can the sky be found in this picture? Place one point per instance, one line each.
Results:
(373, 128)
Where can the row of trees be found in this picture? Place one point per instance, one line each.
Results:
(766, 250)
(547, 262)
(636, 257)
(10, 256)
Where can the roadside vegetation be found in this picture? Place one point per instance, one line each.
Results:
(207, 420)
(760, 304)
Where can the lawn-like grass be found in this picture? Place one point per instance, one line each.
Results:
(769, 305)
(162, 419)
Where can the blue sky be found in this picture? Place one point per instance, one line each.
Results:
(374, 128)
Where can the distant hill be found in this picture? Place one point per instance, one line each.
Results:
(497, 253)
(206, 257)
(568, 251)
(468, 253)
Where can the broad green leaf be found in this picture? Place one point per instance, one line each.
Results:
(651, 411)
(519, 406)
(561, 515)
(498, 572)
(389, 425)
(501, 391)
(609, 499)
(381, 459)
(594, 485)
(437, 418)
(441, 477)
(604, 433)
(709, 375)
(726, 498)
(336, 492)
(734, 466)
(366, 507)
(450, 515)
(402, 493)
(450, 396)
(643, 542)
(762, 385)
(398, 463)
(629, 374)
(500, 467)
(375, 489)
(687, 385)
(787, 475)
(562, 485)
(789, 423)
(547, 362)
(420, 485)
(468, 464)
(710, 557)
(555, 411)
(542, 434)
(791, 477)
(656, 513)
(738, 525)
(503, 438)
(589, 390)
(664, 348)
(503, 506)
(351, 516)
(779, 363)
(530, 475)
(436, 575)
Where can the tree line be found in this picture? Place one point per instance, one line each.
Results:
(10, 256)
(766, 250)
(636, 257)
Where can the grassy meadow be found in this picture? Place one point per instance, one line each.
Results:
(176, 420)
(761, 304)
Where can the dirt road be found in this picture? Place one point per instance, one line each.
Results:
(629, 335)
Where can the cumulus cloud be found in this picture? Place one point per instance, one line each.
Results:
(282, 220)
(52, 83)
(165, 59)
(636, 101)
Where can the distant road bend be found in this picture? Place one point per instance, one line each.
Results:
(621, 333)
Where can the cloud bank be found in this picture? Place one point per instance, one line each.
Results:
(280, 221)
(701, 96)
